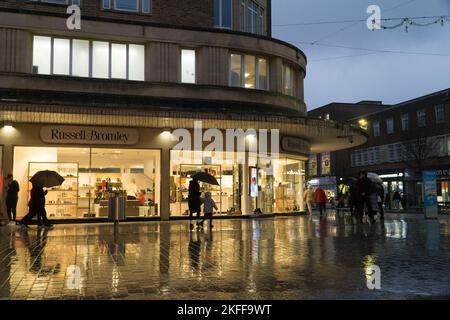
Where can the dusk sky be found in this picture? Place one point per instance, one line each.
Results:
(350, 75)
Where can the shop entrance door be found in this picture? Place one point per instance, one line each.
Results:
(186, 172)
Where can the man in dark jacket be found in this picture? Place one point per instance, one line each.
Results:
(37, 207)
(194, 201)
(12, 196)
(363, 190)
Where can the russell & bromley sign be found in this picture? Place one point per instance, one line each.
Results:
(89, 135)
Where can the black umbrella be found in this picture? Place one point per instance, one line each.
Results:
(47, 179)
(205, 177)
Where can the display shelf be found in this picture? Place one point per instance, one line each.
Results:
(69, 171)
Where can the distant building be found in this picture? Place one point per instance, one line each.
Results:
(404, 139)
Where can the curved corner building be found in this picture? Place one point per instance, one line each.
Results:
(106, 100)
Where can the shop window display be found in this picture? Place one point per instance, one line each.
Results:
(94, 174)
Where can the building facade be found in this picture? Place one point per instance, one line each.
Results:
(404, 140)
(104, 105)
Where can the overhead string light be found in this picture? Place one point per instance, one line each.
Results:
(407, 22)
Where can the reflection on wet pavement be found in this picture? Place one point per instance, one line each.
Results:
(276, 258)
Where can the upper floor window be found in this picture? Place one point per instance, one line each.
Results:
(84, 58)
(390, 125)
(188, 66)
(252, 17)
(143, 6)
(248, 71)
(288, 80)
(223, 14)
(440, 113)
(65, 2)
(405, 121)
(376, 129)
(421, 118)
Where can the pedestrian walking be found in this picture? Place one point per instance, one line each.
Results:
(12, 197)
(380, 200)
(37, 207)
(208, 209)
(321, 199)
(308, 197)
(363, 191)
(194, 201)
(396, 198)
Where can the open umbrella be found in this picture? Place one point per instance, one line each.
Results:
(205, 177)
(374, 177)
(47, 179)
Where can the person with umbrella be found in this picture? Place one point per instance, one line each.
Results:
(40, 180)
(363, 191)
(194, 201)
(37, 207)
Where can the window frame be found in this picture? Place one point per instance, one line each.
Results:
(258, 11)
(389, 121)
(293, 79)
(112, 6)
(91, 67)
(419, 123)
(181, 65)
(403, 117)
(257, 80)
(376, 124)
(442, 109)
(220, 26)
(56, 2)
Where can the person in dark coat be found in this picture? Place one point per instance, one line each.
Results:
(12, 196)
(194, 201)
(363, 191)
(380, 199)
(37, 207)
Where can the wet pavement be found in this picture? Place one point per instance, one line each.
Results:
(270, 258)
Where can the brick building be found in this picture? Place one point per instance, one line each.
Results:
(102, 105)
(404, 139)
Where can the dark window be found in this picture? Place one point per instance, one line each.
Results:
(440, 113)
(223, 14)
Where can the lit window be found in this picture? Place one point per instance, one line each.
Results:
(136, 62)
(100, 59)
(376, 129)
(236, 70)
(421, 118)
(262, 74)
(188, 66)
(61, 56)
(80, 58)
(405, 121)
(118, 61)
(288, 80)
(109, 60)
(250, 72)
(254, 69)
(390, 125)
(42, 47)
(440, 113)
(223, 14)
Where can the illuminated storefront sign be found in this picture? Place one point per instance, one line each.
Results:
(89, 135)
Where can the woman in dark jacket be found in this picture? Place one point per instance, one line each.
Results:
(194, 201)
